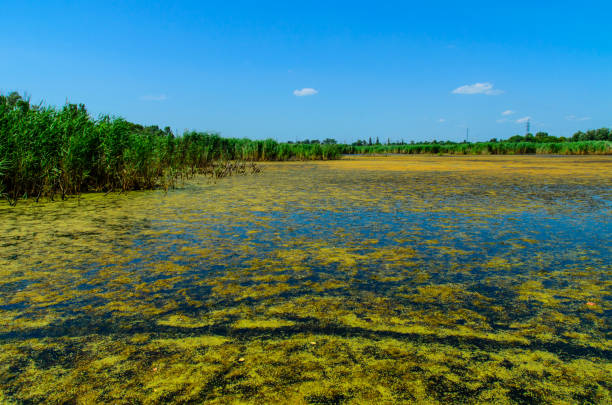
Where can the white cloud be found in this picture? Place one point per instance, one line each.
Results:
(478, 88)
(306, 91)
(154, 97)
(574, 118)
(442, 120)
(502, 120)
(523, 120)
(508, 112)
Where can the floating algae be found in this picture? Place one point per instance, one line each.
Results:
(420, 279)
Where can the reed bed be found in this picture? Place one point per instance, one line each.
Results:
(488, 148)
(49, 152)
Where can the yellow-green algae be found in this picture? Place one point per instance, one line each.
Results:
(397, 279)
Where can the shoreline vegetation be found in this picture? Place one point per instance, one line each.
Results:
(47, 152)
(486, 148)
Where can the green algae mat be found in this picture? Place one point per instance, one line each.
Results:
(365, 280)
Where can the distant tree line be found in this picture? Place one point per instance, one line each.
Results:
(595, 141)
(489, 148)
(601, 134)
(326, 141)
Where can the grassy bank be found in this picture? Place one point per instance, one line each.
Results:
(48, 152)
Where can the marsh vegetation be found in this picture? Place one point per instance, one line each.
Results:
(510, 147)
(452, 279)
(48, 152)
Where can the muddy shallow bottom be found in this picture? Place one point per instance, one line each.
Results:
(383, 279)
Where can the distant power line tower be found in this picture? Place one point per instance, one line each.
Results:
(527, 125)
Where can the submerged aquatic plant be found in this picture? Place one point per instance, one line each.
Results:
(420, 279)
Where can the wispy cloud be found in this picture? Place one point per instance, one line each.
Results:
(523, 120)
(478, 88)
(153, 97)
(306, 91)
(501, 120)
(508, 112)
(574, 118)
(442, 120)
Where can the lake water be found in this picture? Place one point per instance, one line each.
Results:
(381, 279)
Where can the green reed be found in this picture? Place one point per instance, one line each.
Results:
(487, 148)
(48, 152)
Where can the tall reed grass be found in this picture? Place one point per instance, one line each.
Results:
(49, 152)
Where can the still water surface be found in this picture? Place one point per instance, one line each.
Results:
(384, 279)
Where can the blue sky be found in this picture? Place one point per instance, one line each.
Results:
(296, 70)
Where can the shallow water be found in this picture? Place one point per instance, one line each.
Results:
(382, 279)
